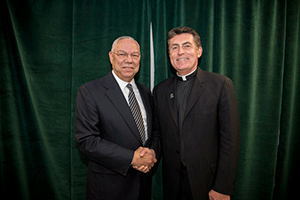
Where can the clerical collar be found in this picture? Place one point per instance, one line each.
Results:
(188, 76)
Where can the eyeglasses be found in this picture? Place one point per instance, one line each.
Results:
(124, 55)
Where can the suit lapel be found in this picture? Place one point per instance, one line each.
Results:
(172, 99)
(117, 98)
(196, 91)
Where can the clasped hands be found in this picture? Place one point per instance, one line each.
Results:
(143, 159)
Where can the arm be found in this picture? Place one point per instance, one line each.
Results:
(156, 137)
(88, 138)
(229, 140)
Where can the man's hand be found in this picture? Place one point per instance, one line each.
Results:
(143, 159)
(213, 195)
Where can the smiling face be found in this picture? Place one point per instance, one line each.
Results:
(183, 53)
(123, 59)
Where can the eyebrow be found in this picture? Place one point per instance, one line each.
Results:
(176, 44)
(126, 52)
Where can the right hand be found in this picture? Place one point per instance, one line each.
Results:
(143, 159)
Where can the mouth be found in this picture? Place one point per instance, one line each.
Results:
(128, 68)
(182, 59)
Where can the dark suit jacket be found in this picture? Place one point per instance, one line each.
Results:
(107, 134)
(210, 134)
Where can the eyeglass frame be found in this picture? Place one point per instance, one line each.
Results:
(126, 55)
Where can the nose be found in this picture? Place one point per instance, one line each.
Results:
(180, 50)
(129, 58)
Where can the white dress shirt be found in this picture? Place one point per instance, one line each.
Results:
(122, 84)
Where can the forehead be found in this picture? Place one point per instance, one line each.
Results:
(182, 38)
(127, 45)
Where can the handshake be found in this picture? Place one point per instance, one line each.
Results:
(143, 159)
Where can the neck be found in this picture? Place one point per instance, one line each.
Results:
(129, 79)
(186, 73)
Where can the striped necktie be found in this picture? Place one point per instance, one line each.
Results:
(136, 112)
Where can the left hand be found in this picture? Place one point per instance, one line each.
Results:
(213, 195)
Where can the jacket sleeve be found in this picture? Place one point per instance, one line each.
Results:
(87, 135)
(156, 137)
(229, 140)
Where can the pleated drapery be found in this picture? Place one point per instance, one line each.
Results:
(49, 48)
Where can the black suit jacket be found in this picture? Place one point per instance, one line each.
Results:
(106, 133)
(210, 134)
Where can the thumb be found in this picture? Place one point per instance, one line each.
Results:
(143, 152)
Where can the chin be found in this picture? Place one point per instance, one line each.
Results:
(182, 69)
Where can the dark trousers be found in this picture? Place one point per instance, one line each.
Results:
(184, 192)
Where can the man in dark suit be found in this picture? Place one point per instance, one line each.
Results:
(113, 128)
(196, 113)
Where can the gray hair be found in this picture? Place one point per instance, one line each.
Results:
(122, 38)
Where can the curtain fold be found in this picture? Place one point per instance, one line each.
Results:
(287, 165)
(35, 99)
(49, 48)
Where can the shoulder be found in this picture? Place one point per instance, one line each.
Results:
(142, 87)
(97, 85)
(211, 76)
(162, 86)
(92, 85)
(215, 79)
(218, 83)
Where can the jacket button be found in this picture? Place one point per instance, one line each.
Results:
(177, 152)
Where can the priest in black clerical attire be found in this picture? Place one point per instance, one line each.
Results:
(197, 118)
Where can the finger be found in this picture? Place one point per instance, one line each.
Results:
(146, 170)
(143, 152)
(137, 168)
(134, 167)
(152, 152)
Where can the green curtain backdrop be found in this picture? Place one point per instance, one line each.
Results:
(49, 48)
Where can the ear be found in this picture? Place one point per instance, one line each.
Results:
(111, 58)
(199, 53)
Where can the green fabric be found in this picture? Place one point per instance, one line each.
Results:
(287, 173)
(49, 48)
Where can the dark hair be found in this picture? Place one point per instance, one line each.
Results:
(181, 30)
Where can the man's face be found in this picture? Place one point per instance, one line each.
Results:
(183, 53)
(125, 59)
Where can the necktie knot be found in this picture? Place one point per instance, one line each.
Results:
(129, 86)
